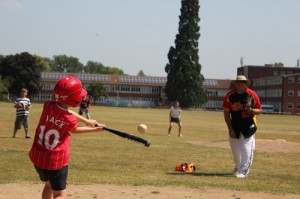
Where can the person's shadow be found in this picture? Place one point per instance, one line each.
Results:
(3, 137)
(201, 174)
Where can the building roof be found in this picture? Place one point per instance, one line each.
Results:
(217, 83)
(130, 79)
(269, 66)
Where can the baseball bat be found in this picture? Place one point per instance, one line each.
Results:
(128, 136)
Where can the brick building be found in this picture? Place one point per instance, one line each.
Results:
(132, 91)
(291, 93)
(216, 90)
(277, 86)
(122, 90)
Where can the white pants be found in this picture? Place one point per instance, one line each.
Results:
(242, 151)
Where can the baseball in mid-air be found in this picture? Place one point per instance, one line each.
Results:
(142, 128)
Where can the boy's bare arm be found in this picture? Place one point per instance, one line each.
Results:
(98, 128)
(90, 123)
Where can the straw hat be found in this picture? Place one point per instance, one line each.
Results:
(241, 78)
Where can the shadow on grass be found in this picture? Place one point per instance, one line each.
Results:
(11, 138)
(201, 174)
(2, 137)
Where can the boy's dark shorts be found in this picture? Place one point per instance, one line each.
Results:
(176, 120)
(21, 119)
(57, 178)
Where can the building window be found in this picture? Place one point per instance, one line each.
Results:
(298, 106)
(291, 80)
(298, 80)
(290, 106)
(290, 93)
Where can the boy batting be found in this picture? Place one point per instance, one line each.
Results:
(50, 150)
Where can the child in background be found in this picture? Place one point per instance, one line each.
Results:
(22, 105)
(51, 146)
(84, 107)
(175, 118)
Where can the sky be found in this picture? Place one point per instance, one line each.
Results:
(136, 35)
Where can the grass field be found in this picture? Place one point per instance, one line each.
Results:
(103, 158)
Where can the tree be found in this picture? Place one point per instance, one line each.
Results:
(63, 63)
(21, 70)
(94, 67)
(4, 89)
(141, 73)
(98, 68)
(184, 78)
(96, 90)
(43, 63)
(279, 65)
(112, 70)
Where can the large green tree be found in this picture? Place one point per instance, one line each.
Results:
(141, 73)
(64, 63)
(98, 68)
(93, 67)
(184, 78)
(96, 90)
(43, 63)
(21, 70)
(113, 70)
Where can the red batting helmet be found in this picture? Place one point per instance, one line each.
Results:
(68, 90)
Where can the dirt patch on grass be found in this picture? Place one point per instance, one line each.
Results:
(279, 132)
(25, 191)
(270, 146)
(97, 191)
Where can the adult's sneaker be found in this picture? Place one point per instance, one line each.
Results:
(240, 175)
(235, 171)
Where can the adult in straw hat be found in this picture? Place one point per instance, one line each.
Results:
(241, 78)
(241, 105)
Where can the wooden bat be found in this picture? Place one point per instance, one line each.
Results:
(129, 136)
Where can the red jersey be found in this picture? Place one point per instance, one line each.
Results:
(237, 103)
(51, 146)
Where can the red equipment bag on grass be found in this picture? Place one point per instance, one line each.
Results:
(186, 167)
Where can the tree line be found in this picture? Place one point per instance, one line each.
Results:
(24, 70)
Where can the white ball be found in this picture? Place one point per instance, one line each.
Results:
(142, 128)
